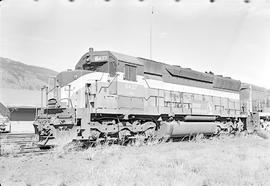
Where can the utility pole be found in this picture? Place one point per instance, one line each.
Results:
(250, 98)
(151, 30)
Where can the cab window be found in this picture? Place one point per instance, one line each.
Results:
(130, 73)
(112, 69)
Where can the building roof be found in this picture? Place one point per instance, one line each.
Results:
(20, 98)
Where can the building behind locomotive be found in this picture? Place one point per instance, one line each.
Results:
(5, 125)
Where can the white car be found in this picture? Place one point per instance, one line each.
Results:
(5, 125)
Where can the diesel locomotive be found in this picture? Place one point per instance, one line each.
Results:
(116, 96)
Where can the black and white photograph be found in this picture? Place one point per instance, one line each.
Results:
(134, 92)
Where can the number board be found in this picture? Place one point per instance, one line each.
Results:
(100, 58)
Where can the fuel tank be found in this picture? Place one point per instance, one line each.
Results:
(179, 129)
(200, 118)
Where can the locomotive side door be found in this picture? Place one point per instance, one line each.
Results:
(113, 75)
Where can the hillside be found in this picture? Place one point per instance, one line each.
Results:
(17, 75)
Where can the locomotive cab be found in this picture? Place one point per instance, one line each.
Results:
(101, 61)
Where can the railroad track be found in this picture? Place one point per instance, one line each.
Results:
(19, 143)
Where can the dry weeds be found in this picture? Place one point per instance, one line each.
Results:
(242, 160)
(7, 148)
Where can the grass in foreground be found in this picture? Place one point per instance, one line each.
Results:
(225, 161)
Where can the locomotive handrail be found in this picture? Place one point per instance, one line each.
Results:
(109, 84)
(55, 86)
(147, 83)
(69, 100)
(52, 89)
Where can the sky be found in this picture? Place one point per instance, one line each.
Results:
(229, 37)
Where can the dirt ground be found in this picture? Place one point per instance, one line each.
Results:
(241, 160)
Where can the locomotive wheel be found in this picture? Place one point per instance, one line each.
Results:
(95, 134)
(150, 133)
(64, 134)
(124, 135)
(240, 126)
(218, 130)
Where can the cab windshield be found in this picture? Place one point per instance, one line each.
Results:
(96, 66)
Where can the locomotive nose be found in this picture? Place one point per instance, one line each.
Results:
(66, 77)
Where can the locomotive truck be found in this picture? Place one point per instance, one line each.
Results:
(113, 96)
